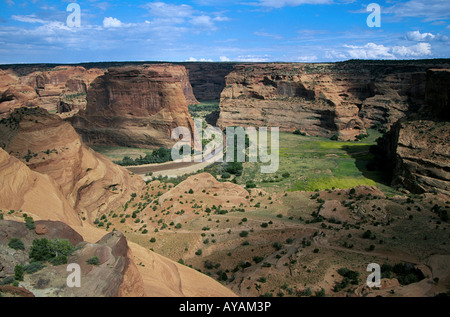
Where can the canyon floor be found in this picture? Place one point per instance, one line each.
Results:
(292, 234)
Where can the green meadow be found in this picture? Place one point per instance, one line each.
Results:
(314, 163)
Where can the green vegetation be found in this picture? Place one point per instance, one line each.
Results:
(93, 261)
(161, 155)
(16, 244)
(349, 277)
(53, 251)
(314, 163)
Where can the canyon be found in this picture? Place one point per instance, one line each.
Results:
(212, 233)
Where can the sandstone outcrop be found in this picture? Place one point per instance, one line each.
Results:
(90, 182)
(59, 89)
(32, 192)
(417, 147)
(342, 99)
(135, 107)
(208, 189)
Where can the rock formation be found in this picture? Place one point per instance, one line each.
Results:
(342, 99)
(58, 88)
(135, 107)
(33, 193)
(417, 147)
(90, 182)
(208, 79)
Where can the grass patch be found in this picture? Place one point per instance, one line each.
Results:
(315, 163)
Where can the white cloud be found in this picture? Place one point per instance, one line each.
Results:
(307, 58)
(420, 49)
(193, 59)
(111, 23)
(203, 21)
(375, 51)
(224, 59)
(369, 51)
(416, 36)
(253, 59)
(290, 3)
(430, 10)
(27, 19)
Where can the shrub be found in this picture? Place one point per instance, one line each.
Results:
(93, 261)
(29, 223)
(18, 273)
(33, 267)
(199, 252)
(16, 244)
(277, 245)
(250, 185)
(243, 234)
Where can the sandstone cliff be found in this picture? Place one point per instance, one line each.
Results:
(35, 194)
(341, 99)
(59, 89)
(135, 106)
(208, 79)
(417, 147)
(90, 182)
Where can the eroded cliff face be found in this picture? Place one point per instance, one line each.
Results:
(59, 89)
(342, 99)
(208, 79)
(136, 107)
(418, 146)
(90, 182)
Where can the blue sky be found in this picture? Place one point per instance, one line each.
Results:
(222, 30)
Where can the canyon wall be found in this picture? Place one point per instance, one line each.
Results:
(342, 99)
(417, 148)
(208, 79)
(61, 89)
(89, 182)
(135, 106)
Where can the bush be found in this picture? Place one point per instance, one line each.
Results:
(16, 244)
(29, 223)
(250, 185)
(33, 267)
(93, 261)
(199, 252)
(18, 273)
(243, 234)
